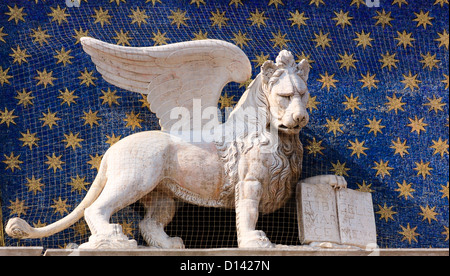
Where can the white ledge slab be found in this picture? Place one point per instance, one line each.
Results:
(248, 252)
(21, 251)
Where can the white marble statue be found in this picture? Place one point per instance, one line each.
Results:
(250, 163)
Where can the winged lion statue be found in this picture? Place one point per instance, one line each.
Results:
(249, 163)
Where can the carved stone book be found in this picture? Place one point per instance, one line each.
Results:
(338, 216)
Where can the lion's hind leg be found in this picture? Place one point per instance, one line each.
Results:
(160, 209)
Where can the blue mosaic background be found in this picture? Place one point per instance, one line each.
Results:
(379, 107)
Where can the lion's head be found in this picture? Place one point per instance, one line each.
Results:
(284, 84)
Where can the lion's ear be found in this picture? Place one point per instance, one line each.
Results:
(303, 69)
(267, 70)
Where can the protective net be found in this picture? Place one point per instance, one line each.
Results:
(378, 107)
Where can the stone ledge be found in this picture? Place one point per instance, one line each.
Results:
(21, 251)
(249, 252)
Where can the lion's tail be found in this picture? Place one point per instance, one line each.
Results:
(20, 229)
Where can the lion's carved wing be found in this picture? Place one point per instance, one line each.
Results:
(172, 75)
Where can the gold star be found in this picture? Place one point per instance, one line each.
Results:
(60, 206)
(327, 81)
(312, 103)
(358, 3)
(133, 120)
(24, 98)
(357, 148)
(87, 78)
(49, 119)
(435, 104)
(446, 233)
(389, 61)
(322, 40)
(400, 147)
(159, 1)
(90, 118)
(45, 78)
(306, 57)
(363, 39)
(315, 147)
(259, 60)
(298, 19)
(404, 39)
(200, 35)
(40, 36)
(410, 81)
(423, 169)
(342, 19)
(317, 2)
(441, 2)
(428, 213)
(178, 18)
(18, 207)
(276, 3)
(408, 233)
(444, 191)
(443, 39)
(12, 162)
(102, 17)
(109, 97)
(445, 81)
(63, 56)
(339, 169)
(399, 2)
(423, 19)
(395, 103)
(15, 14)
(235, 2)
(19, 55)
(80, 229)
(54, 162)
(405, 190)
(7, 117)
(352, 103)
(257, 18)
(67, 97)
(78, 184)
(417, 125)
(2, 34)
(347, 61)
(34, 185)
(279, 40)
(369, 81)
(382, 168)
(95, 161)
(218, 19)
(364, 187)
(440, 147)
(59, 15)
(79, 34)
(112, 139)
(386, 212)
(241, 39)
(375, 126)
(72, 140)
(334, 126)
(29, 139)
(160, 38)
(117, 1)
(138, 16)
(383, 18)
(198, 2)
(429, 61)
(4, 77)
(226, 101)
(127, 228)
(122, 38)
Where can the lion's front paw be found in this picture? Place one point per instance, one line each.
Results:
(337, 182)
(255, 239)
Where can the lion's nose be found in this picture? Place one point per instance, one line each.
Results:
(300, 118)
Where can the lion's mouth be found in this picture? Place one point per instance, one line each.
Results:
(289, 129)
